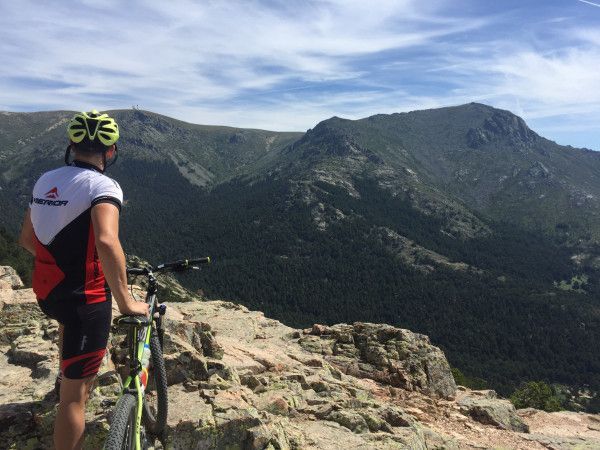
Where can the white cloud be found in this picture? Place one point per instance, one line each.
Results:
(571, 78)
(205, 50)
(287, 65)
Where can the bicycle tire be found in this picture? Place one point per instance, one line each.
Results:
(121, 435)
(155, 421)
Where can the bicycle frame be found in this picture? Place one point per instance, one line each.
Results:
(138, 339)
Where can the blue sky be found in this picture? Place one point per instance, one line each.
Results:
(286, 65)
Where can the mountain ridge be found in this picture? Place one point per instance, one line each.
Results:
(410, 219)
(476, 175)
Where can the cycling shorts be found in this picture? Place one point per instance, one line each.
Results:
(86, 330)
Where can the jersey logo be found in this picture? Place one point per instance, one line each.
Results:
(52, 193)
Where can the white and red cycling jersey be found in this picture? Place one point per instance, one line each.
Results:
(66, 261)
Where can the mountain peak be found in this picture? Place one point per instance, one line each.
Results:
(502, 125)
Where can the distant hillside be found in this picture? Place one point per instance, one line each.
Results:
(460, 223)
(11, 254)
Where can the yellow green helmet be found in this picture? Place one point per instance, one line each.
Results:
(93, 125)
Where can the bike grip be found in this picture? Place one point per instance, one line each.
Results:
(203, 260)
(136, 270)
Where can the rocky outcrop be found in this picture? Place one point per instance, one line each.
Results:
(486, 408)
(9, 278)
(383, 353)
(239, 380)
(414, 255)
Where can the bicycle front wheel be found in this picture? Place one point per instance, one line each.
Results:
(121, 435)
(155, 399)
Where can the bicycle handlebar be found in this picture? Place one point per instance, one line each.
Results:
(175, 266)
(183, 264)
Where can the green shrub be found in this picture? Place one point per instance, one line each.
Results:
(538, 395)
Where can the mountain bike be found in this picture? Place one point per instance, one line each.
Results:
(144, 395)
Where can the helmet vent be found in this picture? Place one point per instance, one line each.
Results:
(92, 126)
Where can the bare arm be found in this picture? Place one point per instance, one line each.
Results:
(105, 219)
(27, 237)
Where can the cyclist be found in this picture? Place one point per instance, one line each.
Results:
(72, 229)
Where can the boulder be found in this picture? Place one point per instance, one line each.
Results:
(349, 419)
(492, 411)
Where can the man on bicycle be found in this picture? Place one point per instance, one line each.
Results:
(72, 229)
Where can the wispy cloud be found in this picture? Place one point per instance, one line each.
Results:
(590, 3)
(287, 65)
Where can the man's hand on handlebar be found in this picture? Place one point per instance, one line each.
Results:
(134, 308)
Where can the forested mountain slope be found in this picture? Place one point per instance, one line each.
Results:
(460, 223)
